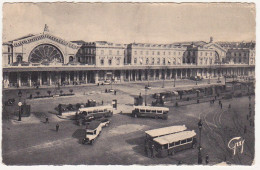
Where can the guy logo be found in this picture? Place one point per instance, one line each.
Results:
(236, 142)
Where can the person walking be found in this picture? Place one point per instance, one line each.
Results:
(229, 106)
(219, 102)
(245, 129)
(152, 151)
(57, 127)
(46, 120)
(221, 105)
(207, 159)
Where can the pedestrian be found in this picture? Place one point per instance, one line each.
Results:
(229, 106)
(102, 102)
(115, 92)
(198, 101)
(245, 129)
(146, 148)
(249, 105)
(219, 102)
(57, 127)
(207, 159)
(152, 151)
(46, 120)
(221, 105)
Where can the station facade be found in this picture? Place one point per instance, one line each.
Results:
(47, 60)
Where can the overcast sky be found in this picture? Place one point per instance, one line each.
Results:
(126, 23)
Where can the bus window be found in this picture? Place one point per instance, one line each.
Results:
(95, 111)
(165, 146)
(95, 132)
(84, 113)
(183, 141)
(148, 111)
(177, 143)
(189, 139)
(171, 144)
(100, 111)
(105, 110)
(142, 110)
(136, 110)
(153, 111)
(159, 111)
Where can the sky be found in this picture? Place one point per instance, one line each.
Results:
(132, 22)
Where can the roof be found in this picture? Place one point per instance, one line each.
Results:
(166, 130)
(152, 108)
(175, 137)
(93, 125)
(96, 107)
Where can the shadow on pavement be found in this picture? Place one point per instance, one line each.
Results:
(79, 134)
(139, 142)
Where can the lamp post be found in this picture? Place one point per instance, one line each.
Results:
(145, 102)
(199, 148)
(20, 104)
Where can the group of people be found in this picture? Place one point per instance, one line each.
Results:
(149, 149)
(57, 125)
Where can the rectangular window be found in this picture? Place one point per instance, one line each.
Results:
(110, 61)
(142, 110)
(159, 111)
(177, 143)
(102, 61)
(183, 141)
(158, 52)
(171, 144)
(189, 139)
(135, 52)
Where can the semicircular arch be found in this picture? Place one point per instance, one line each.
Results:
(46, 53)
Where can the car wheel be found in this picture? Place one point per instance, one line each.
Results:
(83, 141)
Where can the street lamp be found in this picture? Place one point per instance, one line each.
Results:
(199, 148)
(145, 102)
(19, 104)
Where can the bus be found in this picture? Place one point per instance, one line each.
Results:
(170, 144)
(150, 111)
(151, 134)
(90, 113)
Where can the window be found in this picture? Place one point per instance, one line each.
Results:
(206, 53)
(102, 61)
(153, 111)
(142, 110)
(19, 58)
(9, 49)
(171, 144)
(189, 139)
(135, 60)
(110, 61)
(158, 52)
(79, 59)
(163, 61)
(148, 111)
(159, 111)
(158, 60)
(183, 141)
(177, 143)
(118, 61)
(9, 59)
(147, 60)
(201, 60)
(153, 53)
(200, 53)
(152, 60)
(174, 61)
(210, 61)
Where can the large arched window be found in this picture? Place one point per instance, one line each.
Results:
(47, 53)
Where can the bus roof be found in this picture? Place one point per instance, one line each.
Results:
(152, 108)
(95, 108)
(175, 137)
(166, 130)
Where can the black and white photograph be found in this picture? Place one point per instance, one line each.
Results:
(128, 83)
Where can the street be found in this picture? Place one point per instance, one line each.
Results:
(33, 142)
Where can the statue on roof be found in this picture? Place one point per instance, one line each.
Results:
(46, 28)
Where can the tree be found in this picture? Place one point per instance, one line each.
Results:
(38, 93)
(71, 91)
(49, 92)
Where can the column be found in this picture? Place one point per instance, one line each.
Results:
(142, 75)
(121, 76)
(154, 75)
(86, 77)
(96, 76)
(171, 74)
(77, 76)
(128, 71)
(186, 73)
(59, 75)
(40, 78)
(69, 77)
(30, 79)
(49, 77)
(181, 73)
(135, 72)
(176, 74)
(105, 75)
(19, 79)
